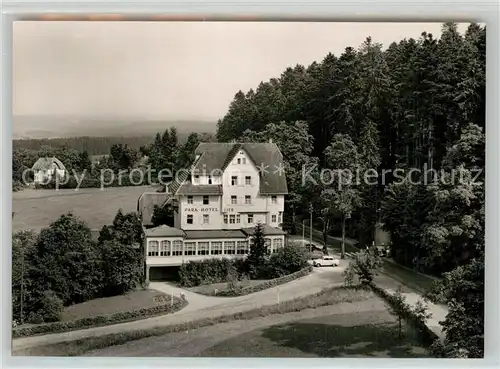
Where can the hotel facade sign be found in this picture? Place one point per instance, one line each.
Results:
(202, 210)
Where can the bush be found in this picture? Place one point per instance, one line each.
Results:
(121, 266)
(195, 273)
(66, 261)
(100, 319)
(17, 186)
(287, 260)
(281, 264)
(365, 267)
(51, 307)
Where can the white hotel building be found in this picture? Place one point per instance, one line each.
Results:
(218, 202)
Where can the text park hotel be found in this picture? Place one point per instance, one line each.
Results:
(228, 190)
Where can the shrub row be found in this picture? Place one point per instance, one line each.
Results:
(428, 336)
(56, 327)
(195, 273)
(326, 297)
(264, 285)
(286, 261)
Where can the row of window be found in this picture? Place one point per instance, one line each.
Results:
(190, 219)
(206, 200)
(248, 200)
(234, 218)
(279, 218)
(234, 200)
(196, 180)
(234, 180)
(228, 219)
(175, 248)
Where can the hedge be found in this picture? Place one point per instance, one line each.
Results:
(264, 285)
(208, 271)
(57, 327)
(428, 336)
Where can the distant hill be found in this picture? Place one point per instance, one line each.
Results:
(37, 127)
(93, 145)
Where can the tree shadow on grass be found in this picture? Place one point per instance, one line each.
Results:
(326, 340)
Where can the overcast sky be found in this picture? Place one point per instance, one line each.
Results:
(172, 70)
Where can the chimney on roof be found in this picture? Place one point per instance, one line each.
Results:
(270, 140)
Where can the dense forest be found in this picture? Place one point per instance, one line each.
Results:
(417, 106)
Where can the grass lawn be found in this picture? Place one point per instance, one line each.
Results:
(209, 289)
(344, 299)
(133, 300)
(355, 334)
(36, 209)
(352, 328)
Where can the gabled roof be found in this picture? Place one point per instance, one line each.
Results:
(164, 231)
(213, 155)
(46, 163)
(266, 156)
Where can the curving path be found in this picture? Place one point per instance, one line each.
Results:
(193, 343)
(200, 307)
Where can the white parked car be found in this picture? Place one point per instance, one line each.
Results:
(326, 261)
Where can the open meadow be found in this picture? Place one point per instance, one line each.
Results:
(36, 209)
(350, 329)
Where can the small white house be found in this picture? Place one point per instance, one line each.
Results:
(45, 168)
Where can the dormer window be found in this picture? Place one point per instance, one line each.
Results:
(239, 161)
(243, 160)
(196, 179)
